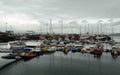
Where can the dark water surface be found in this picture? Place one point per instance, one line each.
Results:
(70, 64)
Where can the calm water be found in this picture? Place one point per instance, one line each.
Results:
(60, 64)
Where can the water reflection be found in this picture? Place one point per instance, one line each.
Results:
(114, 57)
(60, 63)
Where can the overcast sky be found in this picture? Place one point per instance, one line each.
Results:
(23, 15)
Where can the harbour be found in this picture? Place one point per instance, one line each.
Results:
(59, 63)
(59, 37)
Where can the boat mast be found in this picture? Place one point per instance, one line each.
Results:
(88, 28)
(97, 28)
(80, 29)
(50, 26)
(92, 29)
(62, 27)
(85, 28)
(40, 29)
(46, 28)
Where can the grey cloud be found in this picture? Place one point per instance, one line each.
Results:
(81, 8)
(42, 10)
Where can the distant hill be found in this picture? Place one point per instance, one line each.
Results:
(115, 34)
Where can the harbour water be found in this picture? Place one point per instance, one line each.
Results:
(59, 63)
(70, 64)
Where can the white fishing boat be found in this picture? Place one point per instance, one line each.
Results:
(17, 44)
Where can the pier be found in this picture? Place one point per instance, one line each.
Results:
(5, 62)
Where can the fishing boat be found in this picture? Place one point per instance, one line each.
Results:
(115, 51)
(107, 47)
(97, 51)
(37, 51)
(86, 48)
(66, 49)
(28, 55)
(78, 46)
(48, 49)
(11, 56)
(73, 49)
(17, 44)
(60, 47)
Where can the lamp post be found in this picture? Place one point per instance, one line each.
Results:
(6, 26)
